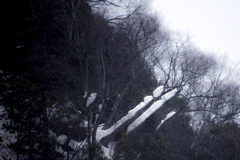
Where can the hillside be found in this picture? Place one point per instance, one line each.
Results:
(99, 79)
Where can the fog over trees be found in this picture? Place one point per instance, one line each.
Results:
(102, 79)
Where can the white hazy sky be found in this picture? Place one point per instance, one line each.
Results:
(214, 25)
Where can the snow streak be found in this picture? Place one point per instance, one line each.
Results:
(155, 106)
(91, 99)
(169, 115)
(103, 133)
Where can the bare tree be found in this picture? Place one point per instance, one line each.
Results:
(136, 38)
(205, 82)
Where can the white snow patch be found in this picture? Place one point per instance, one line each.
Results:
(85, 94)
(213, 116)
(62, 139)
(109, 151)
(140, 106)
(155, 106)
(169, 95)
(103, 133)
(158, 91)
(106, 152)
(169, 115)
(91, 99)
(100, 107)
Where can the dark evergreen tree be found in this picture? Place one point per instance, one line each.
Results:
(124, 149)
(221, 142)
(157, 149)
(23, 95)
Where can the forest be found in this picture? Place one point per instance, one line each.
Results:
(106, 79)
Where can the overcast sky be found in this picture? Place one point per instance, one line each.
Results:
(214, 25)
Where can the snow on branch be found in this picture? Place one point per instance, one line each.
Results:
(103, 133)
(91, 99)
(158, 91)
(154, 107)
(169, 115)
